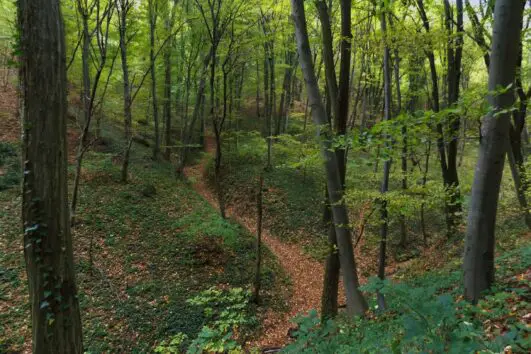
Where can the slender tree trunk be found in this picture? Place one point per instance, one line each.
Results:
(197, 113)
(384, 217)
(448, 161)
(123, 9)
(356, 304)
(273, 101)
(516, 153)
(102, 35)
(454, 57)
(340, 108)
(396, 72)
(152, 26)
(55, 314)
(478, 262)
(167, 111)
(257, 89)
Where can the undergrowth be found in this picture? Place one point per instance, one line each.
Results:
(428, 315)
(139, 259)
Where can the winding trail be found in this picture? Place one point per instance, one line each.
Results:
(305, 273)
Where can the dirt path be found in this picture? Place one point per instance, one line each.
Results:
(305, 273)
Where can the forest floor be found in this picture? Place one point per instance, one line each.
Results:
(306, 274)
(142, 249)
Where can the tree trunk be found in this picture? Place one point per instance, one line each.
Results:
(454, 58)
(341, 107)
(89, 92)
(197, 113)
(152, 26)
(478, 262)
(384, 220)
(167, 88)
(123, 9)
(55, 316)
(448, 161)
(257, 89)
(356, 304)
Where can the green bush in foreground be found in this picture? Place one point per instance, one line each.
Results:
(428, 316)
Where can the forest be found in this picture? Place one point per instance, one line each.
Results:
(263, 176)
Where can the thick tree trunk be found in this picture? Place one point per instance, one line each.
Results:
(356, 304)
(478, 262)
(55, 316)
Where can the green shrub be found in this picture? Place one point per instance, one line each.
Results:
(428, 315)
(227, 314)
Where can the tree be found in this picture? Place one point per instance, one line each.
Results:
(447, 152)
(387, 164)
(339, 98)
(217, 18)
(90, 87)
(153, 7)
(167, 114)
(480, 237)
(56, 321)
(356, 303)
(123, 8)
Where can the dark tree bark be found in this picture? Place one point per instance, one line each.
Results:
(356, 304)
(55, 316)
(478, 262)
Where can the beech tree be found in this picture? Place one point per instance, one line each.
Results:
(480, 237)
(99, 55)
(356, 303)
(55, 317)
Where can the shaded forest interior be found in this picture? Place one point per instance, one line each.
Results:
(216, 176)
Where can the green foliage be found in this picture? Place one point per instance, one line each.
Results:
(173, 345)
(428, 316)
(227, 315)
